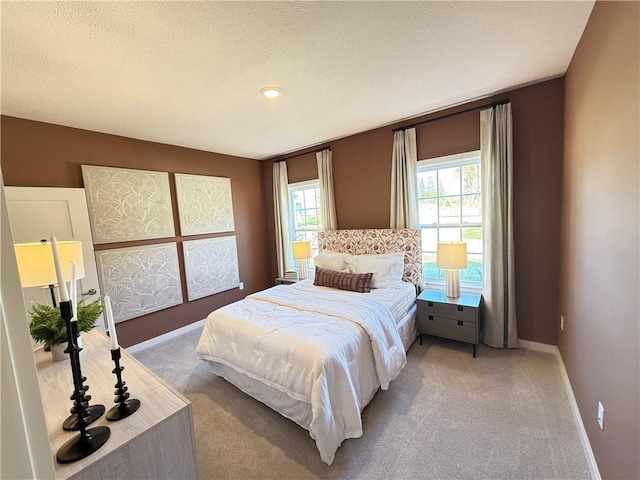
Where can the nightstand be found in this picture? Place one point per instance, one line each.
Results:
(453, 318)
(285, 281)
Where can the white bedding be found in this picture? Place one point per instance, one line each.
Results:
(400, 298)
(328, 348)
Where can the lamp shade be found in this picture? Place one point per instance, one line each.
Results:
(452, 255)
(302, 250)
(35, 262)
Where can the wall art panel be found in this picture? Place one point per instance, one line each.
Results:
(140, 280)
(126, 204)
(204, 204)
(211, 266)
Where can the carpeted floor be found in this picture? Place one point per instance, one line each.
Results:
(502, 415)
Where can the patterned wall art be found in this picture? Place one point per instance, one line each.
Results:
(140, 280)
(204, 204)
(127, 204)
(211, 266)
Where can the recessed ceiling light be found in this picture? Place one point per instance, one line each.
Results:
(271, 92)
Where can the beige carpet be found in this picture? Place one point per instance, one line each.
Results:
(503, 415)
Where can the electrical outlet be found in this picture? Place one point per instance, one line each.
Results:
(241, 285)
(562, 322)
(601, 415)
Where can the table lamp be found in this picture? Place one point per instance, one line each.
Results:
(302, 252)
(36, 267)
(452, 256)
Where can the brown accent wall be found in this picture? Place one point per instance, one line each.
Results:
(36, 154)
(600, 263)
(362, 182)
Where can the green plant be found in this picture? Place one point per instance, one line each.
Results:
(48, 327)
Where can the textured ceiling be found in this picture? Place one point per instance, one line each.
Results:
(189, 73)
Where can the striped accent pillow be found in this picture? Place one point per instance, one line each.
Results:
(354, 282)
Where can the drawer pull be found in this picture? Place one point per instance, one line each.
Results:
(430, 304)
(430, 317)
(460, 323)
(460, 308)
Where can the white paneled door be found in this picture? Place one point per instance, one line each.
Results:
(37, 212)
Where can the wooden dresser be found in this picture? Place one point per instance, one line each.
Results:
(157, 441)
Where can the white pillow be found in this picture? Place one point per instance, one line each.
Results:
(387, 268)
(339, 262)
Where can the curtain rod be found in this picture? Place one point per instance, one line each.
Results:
(301, 154)
(481, 107)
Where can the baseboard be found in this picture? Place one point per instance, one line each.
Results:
(582, 433)
(152, 342)
(537, 346)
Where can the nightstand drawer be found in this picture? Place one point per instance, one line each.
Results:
(447, 328)
(447, 310)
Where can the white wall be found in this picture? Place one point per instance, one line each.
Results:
(24, 443)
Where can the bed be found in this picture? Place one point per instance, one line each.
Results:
(317, 355)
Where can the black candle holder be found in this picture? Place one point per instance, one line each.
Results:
(88, 440)
(125, 405)
(91, 412)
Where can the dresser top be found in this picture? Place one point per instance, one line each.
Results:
(465, 299)
(159, 400)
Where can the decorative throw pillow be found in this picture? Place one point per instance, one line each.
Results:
(353, 282)
(387, 268)
(333, 261)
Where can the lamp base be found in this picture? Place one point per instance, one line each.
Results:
(302, 269)
(453, 283)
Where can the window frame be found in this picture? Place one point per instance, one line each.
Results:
(297, 186)
(452, 161)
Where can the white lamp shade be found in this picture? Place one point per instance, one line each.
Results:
(452, 255)
(35, 262)
(302, 249)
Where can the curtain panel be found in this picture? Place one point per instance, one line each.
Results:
(496, 158)
(281, 215)
(404, 180)
(327, 200)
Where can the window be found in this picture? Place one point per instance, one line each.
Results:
(450, 209)
(304, 202)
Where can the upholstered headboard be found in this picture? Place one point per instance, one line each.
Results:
(358, 242)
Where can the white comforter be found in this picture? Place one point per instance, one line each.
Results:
(325, 349)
